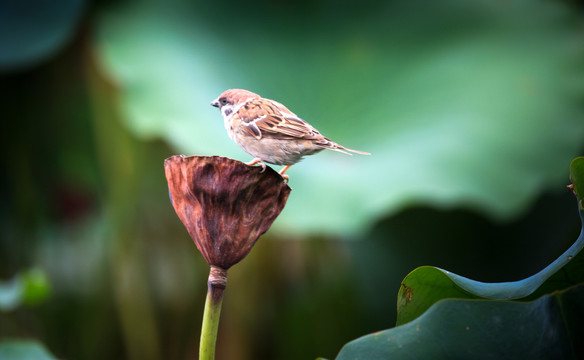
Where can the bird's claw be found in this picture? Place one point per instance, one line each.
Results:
(285, 177)
(257, 161)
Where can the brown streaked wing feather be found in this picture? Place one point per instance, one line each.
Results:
(281, 123)
(264, 117)
(249, 127)
(254, 109)
(295, 128)
(248, 114)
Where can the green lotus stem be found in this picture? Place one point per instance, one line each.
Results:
(210, 325)
(216, 198)
(216, 286)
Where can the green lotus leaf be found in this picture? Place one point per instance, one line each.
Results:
(14, 349)
(32, 31)
(461, 103)
(547, 328)
(577, 177)
(427, 285)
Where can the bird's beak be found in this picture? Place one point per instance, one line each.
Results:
(215, 103)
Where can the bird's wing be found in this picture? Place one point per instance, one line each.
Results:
(268, 118)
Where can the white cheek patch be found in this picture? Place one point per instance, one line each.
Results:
(227, 110)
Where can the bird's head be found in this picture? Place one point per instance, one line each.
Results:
(231, 99)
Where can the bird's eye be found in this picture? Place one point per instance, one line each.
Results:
(223, 101)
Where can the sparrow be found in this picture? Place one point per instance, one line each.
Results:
(270, 132)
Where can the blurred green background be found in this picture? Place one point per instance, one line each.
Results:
(472, 112)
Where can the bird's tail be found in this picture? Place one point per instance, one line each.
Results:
(334, 146)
